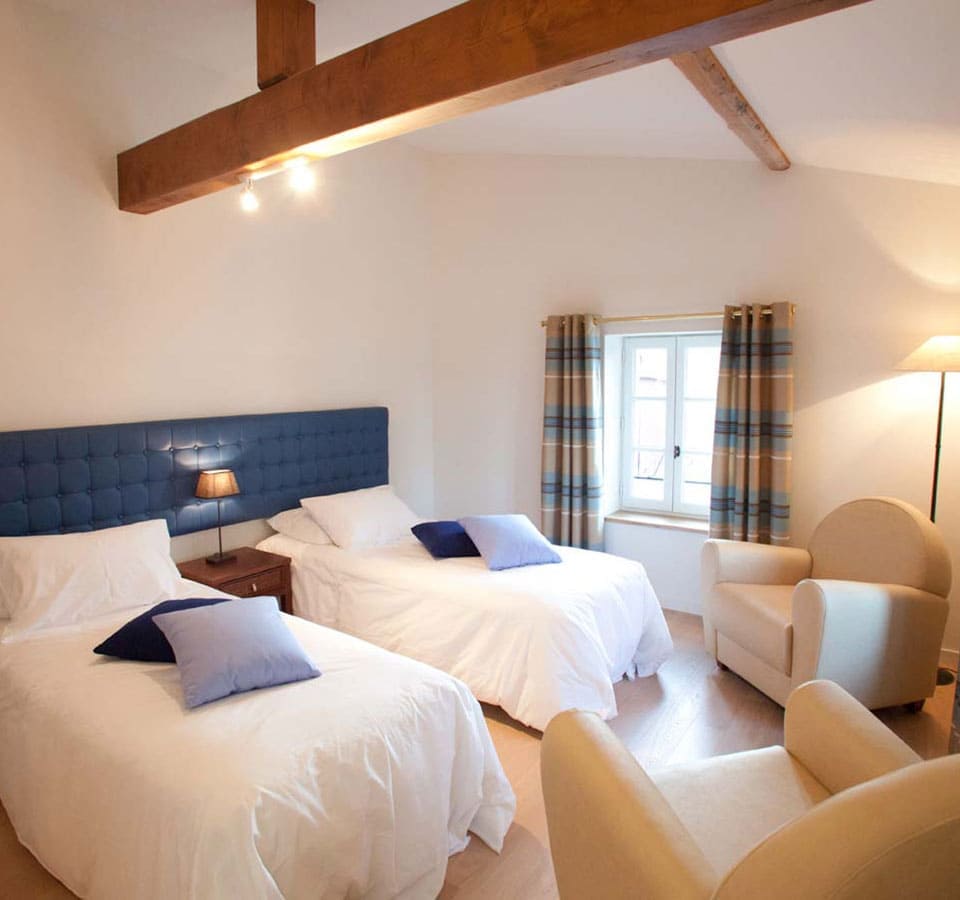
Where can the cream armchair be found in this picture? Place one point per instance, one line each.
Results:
(845, 810)
(864, 606)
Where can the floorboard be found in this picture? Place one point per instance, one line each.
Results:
(689, 710)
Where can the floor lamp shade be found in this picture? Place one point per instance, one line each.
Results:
(212, 485)
(937, 354)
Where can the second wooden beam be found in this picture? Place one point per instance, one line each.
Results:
(707, 74)
(286, 39)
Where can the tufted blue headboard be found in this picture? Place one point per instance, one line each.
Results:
(78, 479)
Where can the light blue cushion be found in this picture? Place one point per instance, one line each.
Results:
(506, 542)
(233, 647)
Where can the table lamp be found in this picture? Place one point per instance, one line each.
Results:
(213, 484)
(937, 354)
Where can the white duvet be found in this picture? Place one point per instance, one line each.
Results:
(359, 783)
(535, 640)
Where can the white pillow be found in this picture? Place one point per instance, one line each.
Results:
(297, 524)
(365, 518)
(64, 579)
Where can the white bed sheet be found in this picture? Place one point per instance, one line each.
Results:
(535, 640)
(359, 783)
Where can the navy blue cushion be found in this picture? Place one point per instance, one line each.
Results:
(445, 540)
(141, 640)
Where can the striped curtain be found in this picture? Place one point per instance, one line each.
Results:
(571, 471)
(750, 493)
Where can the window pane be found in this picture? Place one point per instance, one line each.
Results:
(649, 423)
(695, 479)
(650, 372)
(698, 416)
(702, 370)
(646, 470)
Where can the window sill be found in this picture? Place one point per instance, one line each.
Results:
(659, 520)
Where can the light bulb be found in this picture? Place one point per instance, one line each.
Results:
(302, 178)
(248, 199)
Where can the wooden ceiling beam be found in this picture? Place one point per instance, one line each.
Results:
(479, 54)
(708, 75)
(286, 39)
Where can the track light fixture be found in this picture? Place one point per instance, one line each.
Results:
(248, 199)
(302, 179)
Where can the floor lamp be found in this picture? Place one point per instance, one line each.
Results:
(937, 354)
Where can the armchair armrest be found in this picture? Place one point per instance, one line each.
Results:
(838, 740)
(891, 838)
(744, 563)
(881, 642)
(612, 833)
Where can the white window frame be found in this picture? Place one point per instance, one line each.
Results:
(675, 344)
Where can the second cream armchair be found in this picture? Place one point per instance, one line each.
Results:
(865, 606)
(843, 811)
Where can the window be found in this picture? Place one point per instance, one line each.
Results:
(669, 403)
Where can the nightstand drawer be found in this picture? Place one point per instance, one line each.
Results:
(264, 583)
(247, 573)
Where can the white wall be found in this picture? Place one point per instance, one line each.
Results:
(200, 309)
(671, 557)
(872, 264)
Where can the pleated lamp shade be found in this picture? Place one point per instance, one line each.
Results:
(936, 354)
(215, 483)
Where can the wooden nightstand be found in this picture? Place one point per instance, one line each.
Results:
(253, 573)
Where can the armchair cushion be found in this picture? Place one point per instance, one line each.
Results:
(757, 617)
(731, 803)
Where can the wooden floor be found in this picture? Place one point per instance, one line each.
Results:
(689, 710)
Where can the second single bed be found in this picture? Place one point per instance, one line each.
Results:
(535, 640)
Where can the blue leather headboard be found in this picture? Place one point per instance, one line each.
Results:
(78, 479)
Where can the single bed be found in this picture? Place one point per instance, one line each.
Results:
(359, 783)
(534, 640)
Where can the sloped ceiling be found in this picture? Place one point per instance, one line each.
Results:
(872, 89)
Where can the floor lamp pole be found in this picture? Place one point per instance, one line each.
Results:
(936, 456)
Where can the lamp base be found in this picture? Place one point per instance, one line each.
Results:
(220, 558)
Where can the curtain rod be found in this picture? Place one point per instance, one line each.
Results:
(666, 317)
